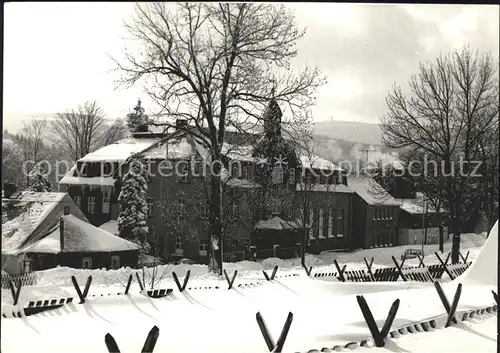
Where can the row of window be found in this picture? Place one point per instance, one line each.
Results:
(334, 226)
(115, 262)
(383, 213)
(202, 246)
(105, 205)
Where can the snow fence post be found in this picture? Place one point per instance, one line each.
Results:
(369, 267)
(151, 339)
(184, 284)
(444, 265)
(445, 301)
(421, 260)
(339, 270)
(278, 347)
(454, 305)
(139, 281)
(129, 282)
(378, 336)
(495, 296)
(464, 259)
(273, 274)
(15, 290)
(230, 282)
(81, 295)
(400, 268)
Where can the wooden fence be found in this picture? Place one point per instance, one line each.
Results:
(26, 279)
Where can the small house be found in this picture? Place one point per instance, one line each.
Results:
(45, 230)
(376, 213)
(418, 224)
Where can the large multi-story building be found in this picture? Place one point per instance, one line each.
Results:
(271, 206)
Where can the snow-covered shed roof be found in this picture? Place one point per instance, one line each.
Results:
(415, 206)
(371, 191)
(276, 223)
(79, 236)
(30, 215)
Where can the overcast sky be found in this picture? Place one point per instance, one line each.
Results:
(56, 54)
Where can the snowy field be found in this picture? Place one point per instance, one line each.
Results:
(325, 313)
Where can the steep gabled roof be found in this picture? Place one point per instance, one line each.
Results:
(31, 215)
(371, 191)
(79, 236)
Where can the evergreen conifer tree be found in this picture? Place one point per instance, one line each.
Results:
(137, 117)
(39, 181)
(132, 220)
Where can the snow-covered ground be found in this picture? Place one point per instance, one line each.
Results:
(56, 282)
(326, 313)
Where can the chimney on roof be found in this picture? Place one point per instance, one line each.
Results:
(61, 232)
(66, 209)
(9, 189)
(181, 123)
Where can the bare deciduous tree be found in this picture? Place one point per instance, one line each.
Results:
(216, 65)
(80, 131)
(116, 131)
(453, 102)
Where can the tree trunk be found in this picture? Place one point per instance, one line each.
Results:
(441, 237)
(455, 245)
(216, 240)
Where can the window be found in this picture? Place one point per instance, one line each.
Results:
(340, 223)
(178, 246)
(244, 171)
(341, 179)
(290, 210)
(376, 214)
(203, 211)
(115, 262)
(106, 198)
(87, 262)
(291, 176)
(180, 209)
(91, 205)
(321, 221)
(277, 174)
(331, 231)
(275, 207)
(203, 250)
(235, 207)
(311, 222)
(183, 169)
(235, 170)
(250, 172)
(150, 208)
(78, 201)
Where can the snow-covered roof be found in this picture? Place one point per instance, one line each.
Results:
(179, 148)
(317, 162)
(238, 152)
(371, 191)
(71, 179)
(120, 150)
(110, 226)
(276, 223)
(415, 206)
(80, 236)
(24, 215)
